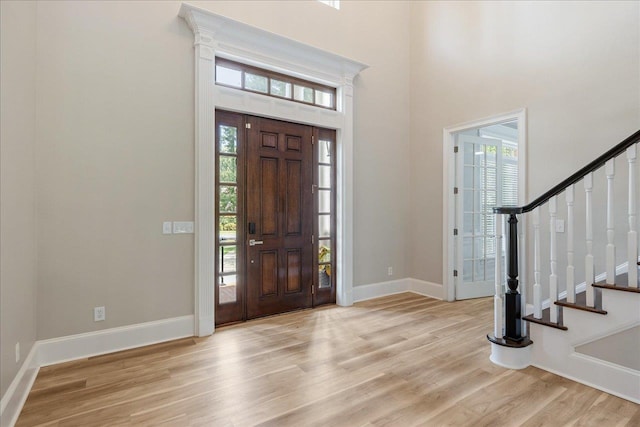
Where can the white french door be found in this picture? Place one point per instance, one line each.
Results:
(486, 177)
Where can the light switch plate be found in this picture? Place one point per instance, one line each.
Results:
(166, 227)
(183, 227)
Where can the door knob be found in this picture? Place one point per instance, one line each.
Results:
(254, 242)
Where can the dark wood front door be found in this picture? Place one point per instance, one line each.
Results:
(279, 217)
(276, 204)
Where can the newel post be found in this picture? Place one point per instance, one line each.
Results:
(510, 350)
(513, 323)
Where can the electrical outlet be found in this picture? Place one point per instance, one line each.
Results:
(390, 271)
(99, 314)
(17, 352)
(560, 225)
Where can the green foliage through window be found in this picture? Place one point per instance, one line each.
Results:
(228, 199)
(228, 223)
(228, 168)
(228, 139)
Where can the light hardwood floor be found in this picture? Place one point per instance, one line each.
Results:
(402, 360)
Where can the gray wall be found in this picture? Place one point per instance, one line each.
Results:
(115, 152)
(115, 158)
(106, 109)
(620, 348)
(573, 65)
(17, 185)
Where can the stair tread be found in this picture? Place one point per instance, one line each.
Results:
(580, 304)
(505, 342)
(546, 320)
(620, 285)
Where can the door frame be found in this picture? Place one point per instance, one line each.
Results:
(448, 198)
(218, 36)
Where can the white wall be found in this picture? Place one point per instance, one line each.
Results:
(115, 92)
(17, 185)
(573, 65)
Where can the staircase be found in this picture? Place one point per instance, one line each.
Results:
(559, 334)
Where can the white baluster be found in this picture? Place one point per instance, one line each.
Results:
(610, 268)
(537, 292)
(553, 278)
(571, 285)
(497, 299)
(632, 236)
(522, 268)
(588, 260)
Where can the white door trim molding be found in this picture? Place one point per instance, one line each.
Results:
(448, 180)
(216, 35)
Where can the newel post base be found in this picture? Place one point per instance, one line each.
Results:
(513, 321)
(510, 354)
(510, 357)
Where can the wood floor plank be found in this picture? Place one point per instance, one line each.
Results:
(562, 410)
(607, 410)
(401, 360)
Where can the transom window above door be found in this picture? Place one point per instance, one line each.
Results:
(258, 80)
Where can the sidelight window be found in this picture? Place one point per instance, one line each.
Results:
(227, 213)
(325, 194)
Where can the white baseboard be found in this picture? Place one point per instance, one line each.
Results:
(382, 289)
(377, 290)
(15, 396)
(428, 289)
(608, 369)
(74, 347)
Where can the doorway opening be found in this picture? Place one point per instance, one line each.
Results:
(275, 233)
(486, 170)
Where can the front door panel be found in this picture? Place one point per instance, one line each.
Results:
(279, 208)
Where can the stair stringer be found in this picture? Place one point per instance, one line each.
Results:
(554, 350)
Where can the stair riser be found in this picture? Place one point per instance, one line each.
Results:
(622, 308)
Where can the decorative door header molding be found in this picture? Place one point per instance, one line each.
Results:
(232, 39)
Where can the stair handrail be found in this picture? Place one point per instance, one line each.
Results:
(510, 302)
(557, 189)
